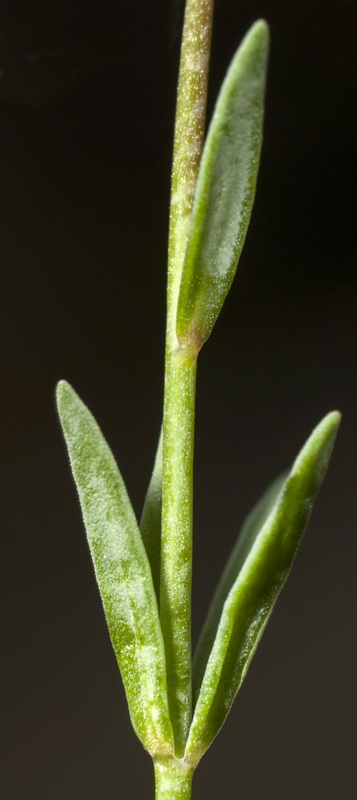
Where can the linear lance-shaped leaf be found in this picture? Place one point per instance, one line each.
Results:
(122, 571)
(248, 533)
(257, 585)
(225, 191)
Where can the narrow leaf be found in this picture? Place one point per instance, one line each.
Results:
(225, 191)
(256, 588)
(249, 531)
(150, 522)
(122, 571)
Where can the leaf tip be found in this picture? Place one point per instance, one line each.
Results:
(61, 387)
(331, 423)
(260, 33)
(317, 451)
(260, 27)
(64, 395)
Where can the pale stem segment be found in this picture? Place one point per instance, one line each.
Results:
(171, 784)
(180, 374)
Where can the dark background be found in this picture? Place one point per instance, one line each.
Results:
(86, 121)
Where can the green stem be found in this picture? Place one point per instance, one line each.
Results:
(180, 375)
(176, 543)
(188, 140)
(171, 784)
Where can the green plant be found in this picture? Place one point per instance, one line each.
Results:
(144, 572)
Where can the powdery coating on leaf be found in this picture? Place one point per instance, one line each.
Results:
(258, 583)
(225, 191)
(122, 572)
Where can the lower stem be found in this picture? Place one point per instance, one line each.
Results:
(176, 539)
(171, 784)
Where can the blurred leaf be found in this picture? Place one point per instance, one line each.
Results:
(225, 191)
(122, 571)
(150, 522)
(256, 588)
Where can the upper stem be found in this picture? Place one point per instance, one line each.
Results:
(171, 784)
(180, 375)
(188, 141)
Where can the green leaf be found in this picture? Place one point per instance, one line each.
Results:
(150, 522)
(248, 533)
(122, 571)
(256, 588)
(225, 191)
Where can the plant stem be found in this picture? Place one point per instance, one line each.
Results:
(180, 375)
(171, 784)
